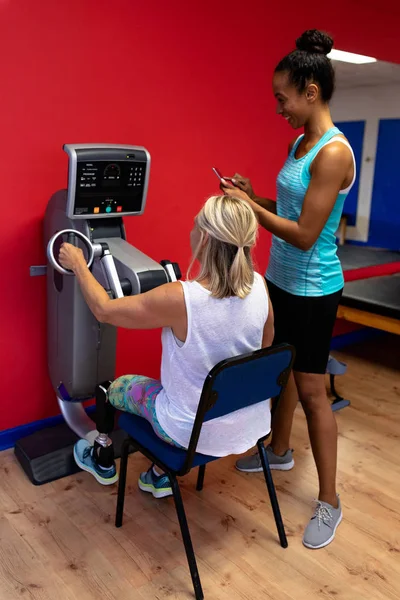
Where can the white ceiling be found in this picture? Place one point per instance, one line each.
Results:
(379, 73)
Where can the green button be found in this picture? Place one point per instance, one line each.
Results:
(108, 209)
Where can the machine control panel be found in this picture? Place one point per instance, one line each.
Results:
(106, 180)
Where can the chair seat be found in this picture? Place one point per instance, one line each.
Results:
(335, 366)
(141, 431)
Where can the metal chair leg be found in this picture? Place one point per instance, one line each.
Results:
(272, 495)
(338, 402)
(200, 478)
(122, 482)
(180, 511)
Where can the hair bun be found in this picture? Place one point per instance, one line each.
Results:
(315, 42)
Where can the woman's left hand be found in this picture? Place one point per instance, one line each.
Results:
(70, 256)
(235, 192)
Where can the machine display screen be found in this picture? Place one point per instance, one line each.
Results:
(109, 187)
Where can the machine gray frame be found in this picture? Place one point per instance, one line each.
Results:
(81, 351)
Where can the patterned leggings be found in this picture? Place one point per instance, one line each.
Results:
(137, 394)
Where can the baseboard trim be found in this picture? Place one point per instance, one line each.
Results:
(355, 337)
(10, 436)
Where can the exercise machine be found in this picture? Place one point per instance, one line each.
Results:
(106, 183)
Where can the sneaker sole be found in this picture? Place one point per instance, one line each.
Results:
(327, 541)
(99, 479)
(274, 467)
(147, 487)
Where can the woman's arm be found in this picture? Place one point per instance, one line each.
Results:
(244, 184)
(329, 172)
(266, 204)
(163, 306)
(269, 329)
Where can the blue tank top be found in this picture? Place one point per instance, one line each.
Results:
(317, 271)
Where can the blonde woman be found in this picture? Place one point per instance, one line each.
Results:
(223, 312)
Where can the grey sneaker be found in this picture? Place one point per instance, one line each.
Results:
(252, 464)
(322, 528)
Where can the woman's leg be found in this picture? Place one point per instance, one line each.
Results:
(287, 309)
(278, 451)
(283, 418)
(137, 394)
(321, 423)
(322, 430)
(131, 393)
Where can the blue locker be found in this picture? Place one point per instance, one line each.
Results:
(384, 227)
(354, 131)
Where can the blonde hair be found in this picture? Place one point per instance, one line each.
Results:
(226, 261)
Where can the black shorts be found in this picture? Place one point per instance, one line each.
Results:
(305, 322)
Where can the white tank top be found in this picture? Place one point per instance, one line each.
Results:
(217, 329)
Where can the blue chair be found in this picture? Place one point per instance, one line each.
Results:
(232, 384)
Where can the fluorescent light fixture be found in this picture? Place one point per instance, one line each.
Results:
(349, 57)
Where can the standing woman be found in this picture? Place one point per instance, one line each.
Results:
(304, 275)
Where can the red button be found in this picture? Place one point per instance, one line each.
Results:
(119, 208)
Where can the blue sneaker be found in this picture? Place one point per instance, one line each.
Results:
(83, 455)
(158, 485)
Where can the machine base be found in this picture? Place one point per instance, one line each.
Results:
(47, 455)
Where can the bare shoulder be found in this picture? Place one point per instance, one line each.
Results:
(173, 290)
(267, 291)
(335, 155)
(166, 301)
(169, 293)
(266, 284)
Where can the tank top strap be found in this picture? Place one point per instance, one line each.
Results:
(319, 145)
(296, 145)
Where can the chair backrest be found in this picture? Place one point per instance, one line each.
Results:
(241, 381)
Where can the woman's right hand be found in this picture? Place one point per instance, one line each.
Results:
(243, 183)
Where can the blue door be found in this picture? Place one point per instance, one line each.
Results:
(354, 131)
(384, 227)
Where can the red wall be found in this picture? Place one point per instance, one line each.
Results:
(188, 80)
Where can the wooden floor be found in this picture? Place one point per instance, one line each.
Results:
(58, 541)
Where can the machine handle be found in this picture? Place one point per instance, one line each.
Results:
(72, 234)
(172, 269)
(111, 274)
(177, 270)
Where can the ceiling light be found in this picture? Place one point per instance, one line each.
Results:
(349, 57)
